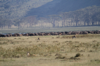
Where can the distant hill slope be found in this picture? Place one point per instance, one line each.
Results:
(58, 6)
(66, 12)
(15, 9)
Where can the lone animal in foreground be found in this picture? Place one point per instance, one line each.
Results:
(38, 38)
(28, 54)
(73, 37)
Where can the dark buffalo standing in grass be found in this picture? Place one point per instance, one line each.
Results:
(17, 34)
(2, 35)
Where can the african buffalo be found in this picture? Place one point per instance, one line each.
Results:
(2, 35)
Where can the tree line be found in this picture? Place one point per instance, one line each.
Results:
(89, 16)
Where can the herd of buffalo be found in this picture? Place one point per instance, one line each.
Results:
(50, 33)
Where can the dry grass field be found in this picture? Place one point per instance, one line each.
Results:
(84, 50)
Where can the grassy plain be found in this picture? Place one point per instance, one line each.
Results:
(84, 50)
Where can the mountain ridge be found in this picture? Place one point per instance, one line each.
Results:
(52, 13)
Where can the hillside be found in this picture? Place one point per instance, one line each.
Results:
(49, 13)
(15, 9)
(58, 6)
(82, 17)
